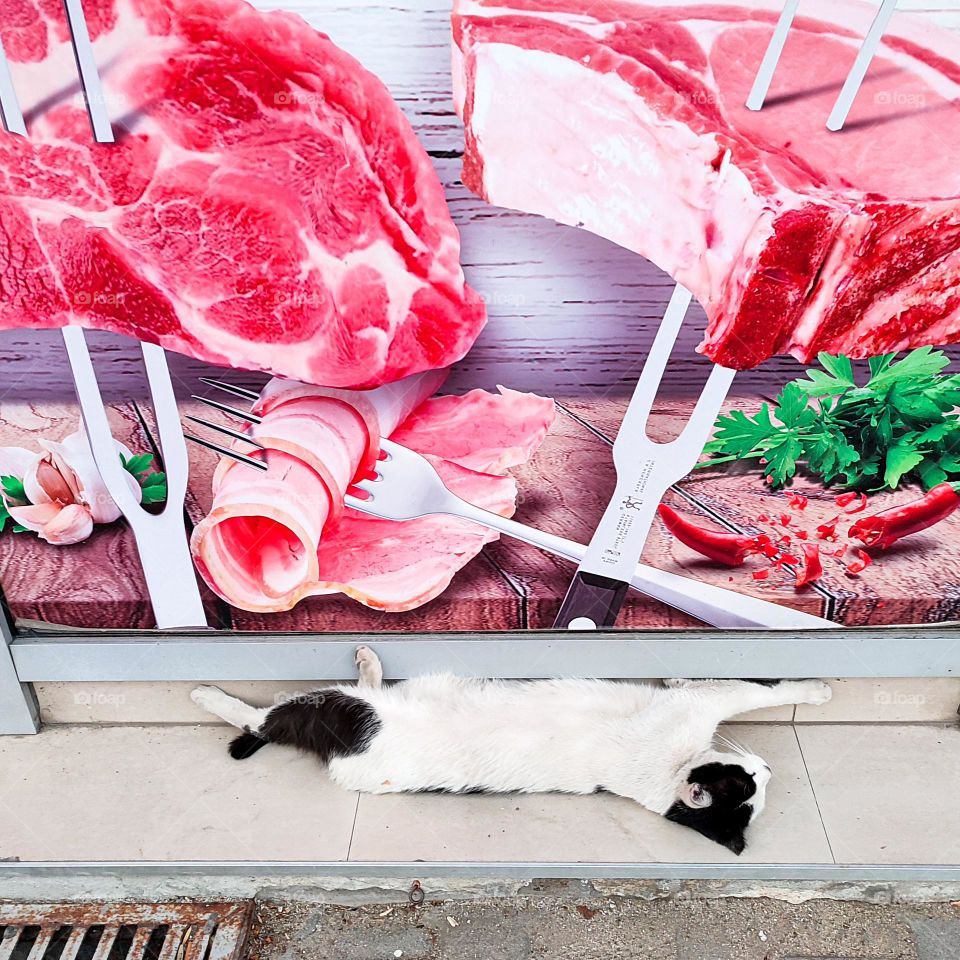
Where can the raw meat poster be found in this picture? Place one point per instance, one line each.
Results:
(472, 255)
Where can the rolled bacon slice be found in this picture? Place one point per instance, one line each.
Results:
(277, 536)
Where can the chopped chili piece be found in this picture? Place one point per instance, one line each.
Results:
(802, 534)
(845, 499)
(828, 530)
(786, 538)
(798, 501)
(761, 574)
(770, 551)
(730, 549)
(885, 528)
(858, 506)
(811, 569)
(840, 552)
(785, 519)
(762, 540)
(790, 559)
(860, 564)
(762, 518)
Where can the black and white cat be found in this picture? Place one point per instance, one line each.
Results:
(651, 743)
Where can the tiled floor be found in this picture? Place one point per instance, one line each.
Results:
(846, 793)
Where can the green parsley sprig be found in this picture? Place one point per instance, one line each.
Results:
(900, 426)
(153, 486)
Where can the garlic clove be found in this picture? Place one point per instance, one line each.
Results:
(71, 525)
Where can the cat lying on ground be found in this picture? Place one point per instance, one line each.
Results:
(651, 743)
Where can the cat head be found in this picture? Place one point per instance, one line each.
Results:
(722, 794)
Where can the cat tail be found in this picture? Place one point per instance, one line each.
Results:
(246, 745)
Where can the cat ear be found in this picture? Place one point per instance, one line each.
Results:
(698, 796)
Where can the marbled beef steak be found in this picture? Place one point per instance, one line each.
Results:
(614, 115)
(267, 205)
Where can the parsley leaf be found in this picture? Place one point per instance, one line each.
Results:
(900, 426)
(153, 486)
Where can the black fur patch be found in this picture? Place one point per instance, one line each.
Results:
(728, 815)
(328, 723)
(246, 745)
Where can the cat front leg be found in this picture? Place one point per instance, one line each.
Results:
(371, 670)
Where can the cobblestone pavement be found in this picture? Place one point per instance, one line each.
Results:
(600, 927)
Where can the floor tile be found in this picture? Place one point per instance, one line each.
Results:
(896, 700)
(164, 793)
(599, 828)
(888, 794)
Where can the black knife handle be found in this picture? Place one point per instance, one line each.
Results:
(594, 598)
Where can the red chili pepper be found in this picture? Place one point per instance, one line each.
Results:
(730, 549)
(811, 569)
(860, 564)
(885, 528)
(761, 574)
(798, 501)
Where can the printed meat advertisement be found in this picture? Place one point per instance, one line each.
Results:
(550, 316)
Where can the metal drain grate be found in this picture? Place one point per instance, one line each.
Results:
(123, 931)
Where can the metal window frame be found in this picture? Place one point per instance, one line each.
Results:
(19, 713)
(32, 655)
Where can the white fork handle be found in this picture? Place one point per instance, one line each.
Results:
(714, 605)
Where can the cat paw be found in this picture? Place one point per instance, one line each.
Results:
(368, 663)
(206, 696)
(815, 692)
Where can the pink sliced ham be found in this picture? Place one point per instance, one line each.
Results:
(273, 538)
(267, 205)
(614, 116)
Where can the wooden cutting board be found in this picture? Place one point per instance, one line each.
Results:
(511, 586)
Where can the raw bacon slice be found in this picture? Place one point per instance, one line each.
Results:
(275, 537)
(614, 116)
(267, 205)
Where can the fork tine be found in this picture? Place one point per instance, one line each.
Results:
(650, 377)
(220, 428)
(240, 392)
(768, 66)
(851, 87)
(176, 463)
(96, 424)
(90, 78)
(9, 105)
(223, 408)
(225, 452)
